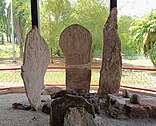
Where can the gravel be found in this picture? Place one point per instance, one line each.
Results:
(12, 117)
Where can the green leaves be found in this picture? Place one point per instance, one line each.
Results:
(58, 14)
(3, 18)
(144, 32)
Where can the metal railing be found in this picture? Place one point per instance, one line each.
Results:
(131, 77)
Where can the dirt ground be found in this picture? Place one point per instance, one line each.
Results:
(14, 117)
(139, 63)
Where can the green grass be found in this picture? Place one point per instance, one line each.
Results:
(7, 49)
(136, 79)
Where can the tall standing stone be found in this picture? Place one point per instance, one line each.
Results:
(35, 62)
(110, 74)
(75, 42)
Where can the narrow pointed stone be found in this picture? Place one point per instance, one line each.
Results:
(110, 74)
(35, 62)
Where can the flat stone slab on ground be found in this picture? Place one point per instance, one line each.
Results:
(119, 106)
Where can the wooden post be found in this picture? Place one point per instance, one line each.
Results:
(113, 3)
(35, 13)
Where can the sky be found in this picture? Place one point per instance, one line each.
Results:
(132, 7)
(135, 7)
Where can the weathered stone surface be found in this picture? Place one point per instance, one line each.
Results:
(51, 90)
(23, 105)
(152, 112)
(63, 93)
(136, 111)
(78, 116)
(60, 105)
(147, 108)
(75, 42)
(93, 99)
(110, 74)
(46, 108)
(90, 97)
(99, 121)
(135, 99)
(116, 105)
(119, 106)
(35, 62)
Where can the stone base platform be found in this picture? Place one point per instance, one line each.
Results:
(118, 107)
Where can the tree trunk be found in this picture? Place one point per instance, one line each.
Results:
(8, 33)
(21, 51)
(154, 63)
(110, 74)
(2, 40)
(51, 55)
(19, 33)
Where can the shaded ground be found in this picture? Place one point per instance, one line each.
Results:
(141, 63)
(11, 117)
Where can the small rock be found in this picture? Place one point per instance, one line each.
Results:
(135, 99)
(126, 93)
(46, 108)
(22, 105)
(48, 90)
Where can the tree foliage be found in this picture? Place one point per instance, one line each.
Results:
(3, 19)
(144, 32)
(57, 15)
(21, 11)
(124, 23)
(54, 14)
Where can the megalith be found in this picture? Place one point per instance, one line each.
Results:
(61, 105)
(35, 63)
(76, 42)
(78, 116)
(110, 74)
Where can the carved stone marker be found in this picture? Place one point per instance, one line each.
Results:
(75, 42)
(110, 74)
(35, 62)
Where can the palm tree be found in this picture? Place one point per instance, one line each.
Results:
(144, 32)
